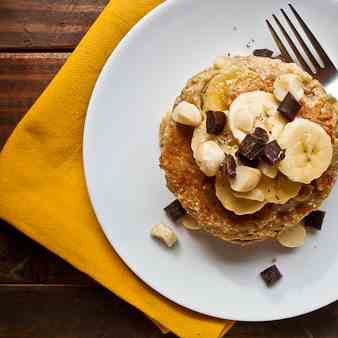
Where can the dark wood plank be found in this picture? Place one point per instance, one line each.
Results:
(319, 324)
(45, 24)
(70, 312)
(82, 312)
(24, 261)
(22, 79)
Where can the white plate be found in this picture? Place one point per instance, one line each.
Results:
(127, 188)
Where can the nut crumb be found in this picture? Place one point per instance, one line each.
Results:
(274, 260)
(164, 233)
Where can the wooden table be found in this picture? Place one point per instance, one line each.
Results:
(40, 295)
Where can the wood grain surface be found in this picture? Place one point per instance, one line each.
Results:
(41, 311)
(45, 24)
(23, 76)
(41, 296)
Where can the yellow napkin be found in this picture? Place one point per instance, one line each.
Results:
(42, 187)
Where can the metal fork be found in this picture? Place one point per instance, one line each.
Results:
(327, 75)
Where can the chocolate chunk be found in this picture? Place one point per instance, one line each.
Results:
(215, 122)
(250, 163)
(314, 219)
(261, 134)
(175, 210)
(229, 166)
(251, 147)
(267, 53)
(289, 107)
(273, 153)
(271, 275)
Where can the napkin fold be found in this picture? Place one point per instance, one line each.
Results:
(42, 186)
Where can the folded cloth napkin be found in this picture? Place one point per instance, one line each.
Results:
(42, 186)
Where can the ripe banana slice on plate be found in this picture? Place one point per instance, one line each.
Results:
(214, 97)
(277, 191)
(200, 136)
(292, 237)
(190, 223)
(255, 109)
(288, 83)
(267, 169)
(239, 206)
(308, 150)
(256, 194)
(217, 95)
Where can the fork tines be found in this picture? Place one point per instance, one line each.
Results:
(315, 43)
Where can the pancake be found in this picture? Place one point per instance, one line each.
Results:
(196, 191)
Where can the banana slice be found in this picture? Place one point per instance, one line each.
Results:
(292, 237)
(227, 65)
(214, 97)
(268, 170)
(288, 83)
(278, 191)
(256, 194)
(246, 179)
(209, 157)
(308, 150)
(190, 223)
(187, 114)
(255, 109)
(200, 136)
(237, 205)
(223, 62)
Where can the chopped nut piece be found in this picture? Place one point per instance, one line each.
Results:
(246, 179)
(209, 157)
(187, 114)
(165, 233)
